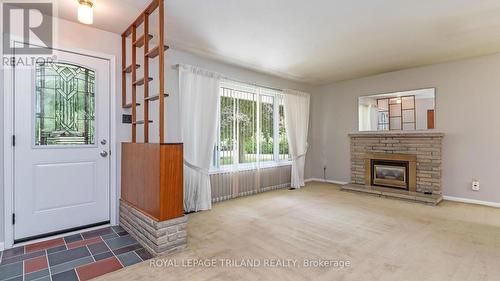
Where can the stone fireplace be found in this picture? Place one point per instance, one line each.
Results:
(404, 163)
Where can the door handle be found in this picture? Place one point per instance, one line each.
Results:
(104, 153)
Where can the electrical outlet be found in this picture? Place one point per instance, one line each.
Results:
(475, 185)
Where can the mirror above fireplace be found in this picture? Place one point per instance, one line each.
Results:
(399, 111)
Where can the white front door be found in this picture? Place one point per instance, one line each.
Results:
(62, 136)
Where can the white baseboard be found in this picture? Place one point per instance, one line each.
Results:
(323, 180)
(472, 201)
(2, 246)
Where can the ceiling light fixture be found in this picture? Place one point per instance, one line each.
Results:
(85, 13)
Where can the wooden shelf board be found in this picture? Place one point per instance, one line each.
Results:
(140, 41)
(129, 105)
(155, 97)
(128, 69)
(141, 81)
(153, 53)
(139, 122)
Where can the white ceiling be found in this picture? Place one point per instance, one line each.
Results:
(318, 41)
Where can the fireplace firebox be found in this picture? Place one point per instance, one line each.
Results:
(391, 170)
(390, 173)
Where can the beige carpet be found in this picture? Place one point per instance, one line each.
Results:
(384, 239)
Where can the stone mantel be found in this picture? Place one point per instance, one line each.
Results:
(390, 134)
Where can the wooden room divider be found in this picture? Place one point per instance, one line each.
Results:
(152, 173)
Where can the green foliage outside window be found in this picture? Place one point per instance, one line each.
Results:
(238, 131)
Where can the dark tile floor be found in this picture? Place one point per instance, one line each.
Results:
(76, 257)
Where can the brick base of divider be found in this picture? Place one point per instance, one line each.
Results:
(159, 238)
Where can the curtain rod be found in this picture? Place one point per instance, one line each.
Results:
(175, 66)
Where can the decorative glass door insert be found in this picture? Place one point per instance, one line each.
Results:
(65, 105)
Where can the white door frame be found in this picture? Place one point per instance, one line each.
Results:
(8, 160)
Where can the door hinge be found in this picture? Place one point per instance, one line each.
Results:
(13, 218)
(13, 140)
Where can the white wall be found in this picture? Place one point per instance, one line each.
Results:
(467, 99)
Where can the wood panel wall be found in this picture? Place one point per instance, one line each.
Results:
(152, 179)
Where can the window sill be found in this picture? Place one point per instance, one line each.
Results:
(248, 167)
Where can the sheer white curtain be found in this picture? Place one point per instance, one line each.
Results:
(199, 99)
(364, 117)
(368, 115)
(297, 126)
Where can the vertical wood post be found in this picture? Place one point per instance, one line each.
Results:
(161, 64)
(146, 77)
(134, 87)
(124, 65)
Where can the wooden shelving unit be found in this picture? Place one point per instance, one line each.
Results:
(158, 51)
(152, 173)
